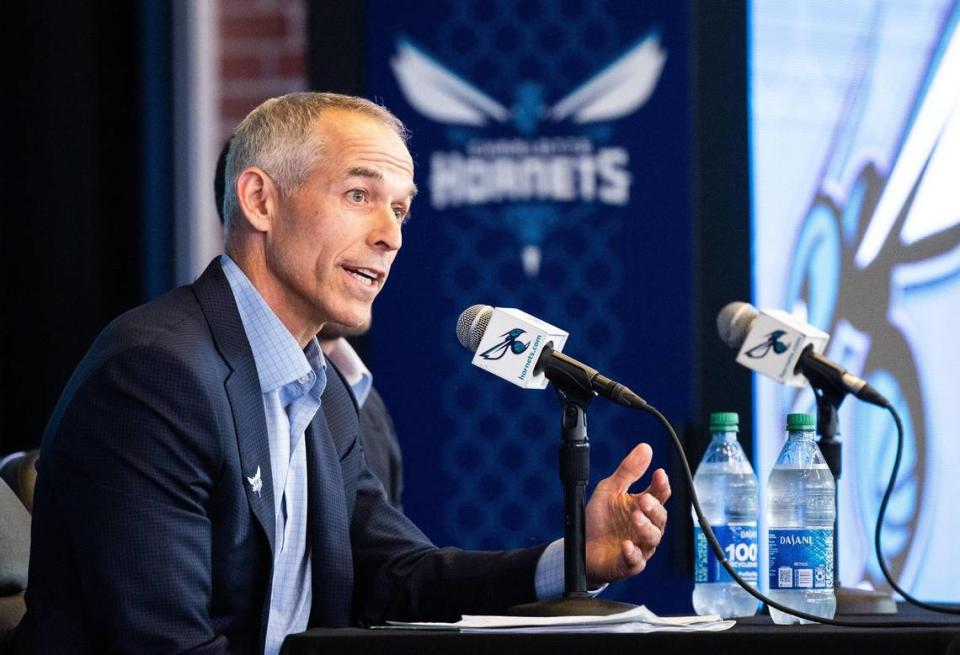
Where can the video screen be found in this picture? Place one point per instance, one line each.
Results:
(854, 112)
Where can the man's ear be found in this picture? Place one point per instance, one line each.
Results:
(257, 195)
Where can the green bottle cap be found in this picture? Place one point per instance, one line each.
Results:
(801, 422)
(724, 422)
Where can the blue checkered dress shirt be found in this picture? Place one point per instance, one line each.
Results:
(292, 381)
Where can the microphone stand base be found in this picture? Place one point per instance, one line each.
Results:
(575, 606)
(851, 600)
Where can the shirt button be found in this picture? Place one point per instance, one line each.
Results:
(305, 379)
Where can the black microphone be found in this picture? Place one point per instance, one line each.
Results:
(497, 337)
(745, 329)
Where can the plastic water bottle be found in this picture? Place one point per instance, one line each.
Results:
(727, 489)
(800, 513)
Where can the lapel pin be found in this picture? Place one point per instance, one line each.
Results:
(256, 484)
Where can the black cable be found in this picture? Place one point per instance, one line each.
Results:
(879, 528)
(721, 556)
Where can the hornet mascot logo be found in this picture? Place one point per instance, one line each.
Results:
(509, 343)
(773, 341)
(529, 165)
(442, 95)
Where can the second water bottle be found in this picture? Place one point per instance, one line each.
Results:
(800, 513)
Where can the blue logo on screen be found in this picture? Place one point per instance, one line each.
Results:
(509, 343)
(867, 243)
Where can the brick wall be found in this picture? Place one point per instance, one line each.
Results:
(263, 47)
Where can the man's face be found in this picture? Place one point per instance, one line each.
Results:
(331, 249)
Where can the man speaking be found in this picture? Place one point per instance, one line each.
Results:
(201, 488)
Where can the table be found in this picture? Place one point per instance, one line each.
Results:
(752, 636)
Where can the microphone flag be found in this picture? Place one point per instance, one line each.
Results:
(774, 344)
(511, 346)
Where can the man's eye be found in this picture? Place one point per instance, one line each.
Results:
(357, 195)
(401, 214)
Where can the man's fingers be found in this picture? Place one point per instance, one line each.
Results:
(659, 486)
(631, 469)
(646, 532)
(654, 511)
(633, 557)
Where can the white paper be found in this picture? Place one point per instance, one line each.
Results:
(635, 627)
(638, 619)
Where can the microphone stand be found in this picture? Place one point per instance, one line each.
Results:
(850, 600)
(575, 396)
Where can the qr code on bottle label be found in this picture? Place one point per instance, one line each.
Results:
(785, 577)
(796, 553)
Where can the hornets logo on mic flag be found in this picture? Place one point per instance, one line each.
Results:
(502, 353)
(510, 343)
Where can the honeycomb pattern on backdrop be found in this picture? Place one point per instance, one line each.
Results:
(503, 447)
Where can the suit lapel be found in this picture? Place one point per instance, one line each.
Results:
(329, 520)
(243, 390)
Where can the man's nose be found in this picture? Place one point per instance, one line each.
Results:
(386, 233)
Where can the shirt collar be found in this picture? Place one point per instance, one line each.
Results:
(348, 362)
(280, 361)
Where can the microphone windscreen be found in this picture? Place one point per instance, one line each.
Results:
(472, 324)
(734, 322)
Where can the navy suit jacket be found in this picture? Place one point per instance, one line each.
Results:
(148, 535)
(381, 448)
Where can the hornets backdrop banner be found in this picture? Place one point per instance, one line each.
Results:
(551, 142)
